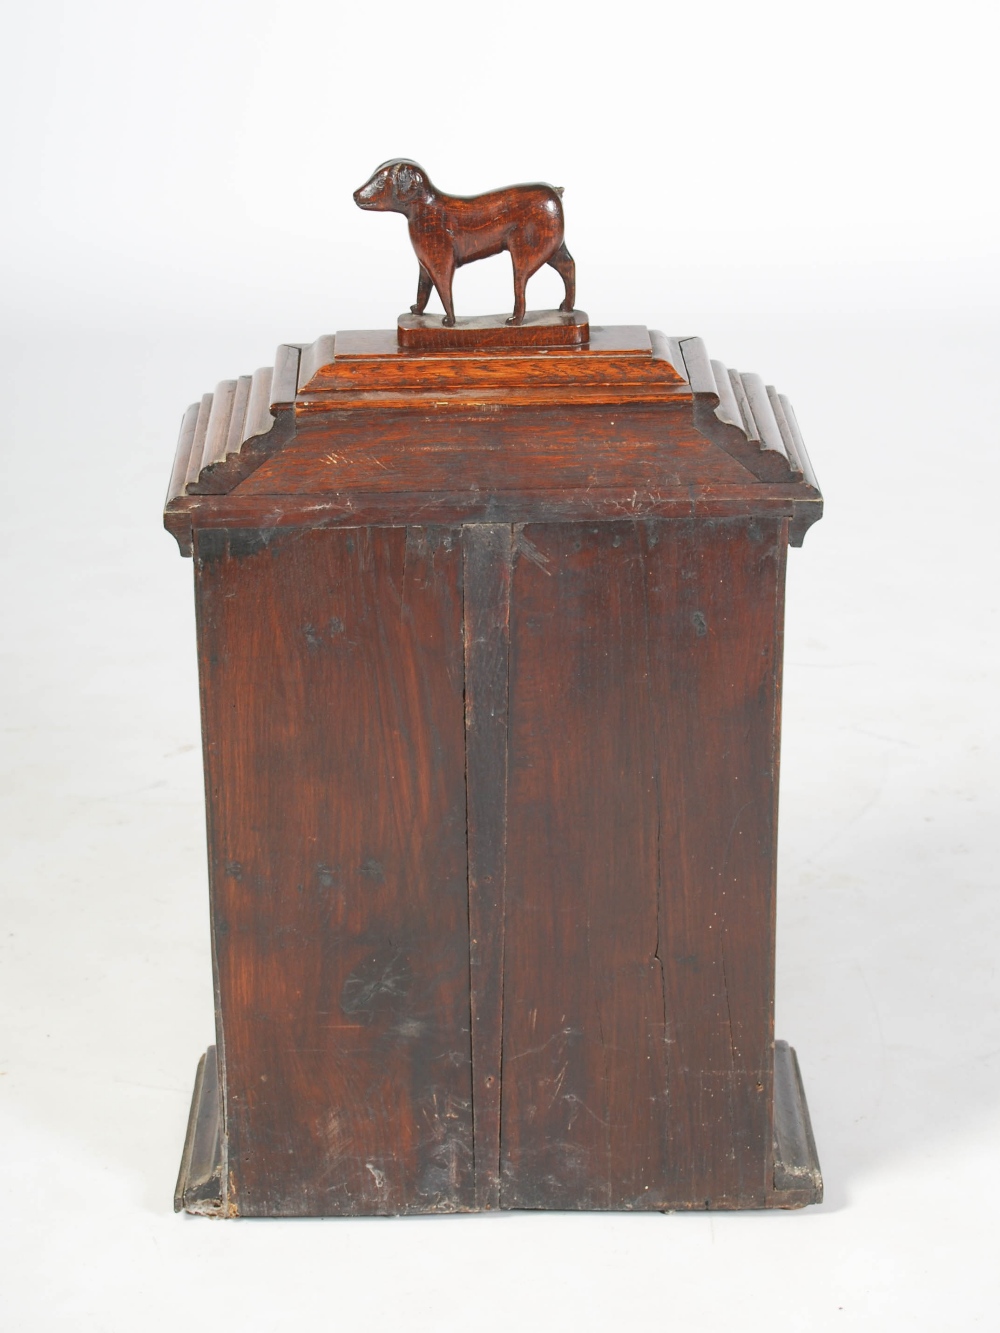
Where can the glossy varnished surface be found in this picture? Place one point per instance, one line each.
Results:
(448, 230)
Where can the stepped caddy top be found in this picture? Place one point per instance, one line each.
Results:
(450, 230)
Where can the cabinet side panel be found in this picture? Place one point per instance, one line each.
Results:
(332, 681)
(638, 988)
(717, 598)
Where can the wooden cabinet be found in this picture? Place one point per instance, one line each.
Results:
(490, 650)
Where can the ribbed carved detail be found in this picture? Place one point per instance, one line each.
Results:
(237, 427)
(736, 411)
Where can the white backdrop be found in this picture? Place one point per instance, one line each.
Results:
(814, 192)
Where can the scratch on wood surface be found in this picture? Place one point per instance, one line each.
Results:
(528, 549)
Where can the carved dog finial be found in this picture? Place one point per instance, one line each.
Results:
(449, 230)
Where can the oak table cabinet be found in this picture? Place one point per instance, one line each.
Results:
(490, 649)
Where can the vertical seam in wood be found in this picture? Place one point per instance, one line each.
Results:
(468, 865)
(502, 883)
(487, 563)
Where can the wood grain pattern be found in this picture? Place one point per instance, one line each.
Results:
(396, 509)
(584, 1058)
(565, 448)
(370, 359)
(717, 601)
(640, 872)
(332, 685)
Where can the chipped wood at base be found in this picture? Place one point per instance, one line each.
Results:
(798, 1180)
(199, 1186)
(193, 1110)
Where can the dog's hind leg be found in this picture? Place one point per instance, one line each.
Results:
(526, 264)
(562, 262)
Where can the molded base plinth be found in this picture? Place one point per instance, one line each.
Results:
(199, 1182)
(797, 1178)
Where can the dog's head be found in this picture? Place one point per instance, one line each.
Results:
(393, 187)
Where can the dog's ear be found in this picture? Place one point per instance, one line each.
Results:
(407, 182)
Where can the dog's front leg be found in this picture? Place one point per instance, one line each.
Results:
(424, 288)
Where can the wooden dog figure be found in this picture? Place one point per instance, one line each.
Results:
(449, 230)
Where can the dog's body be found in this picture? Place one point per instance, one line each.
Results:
(448, 231)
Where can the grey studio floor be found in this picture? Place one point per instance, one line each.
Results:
(887, 911)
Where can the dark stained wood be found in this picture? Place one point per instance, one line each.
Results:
(217, 434)
(198, 442)
(448, 231)
(369, 360)
(540, 328)
(642, 446)
(395, 509)
(182, 454)
(640, 871)
(488, 554)
(490, 654)
(332, 687)
(716, 598)
(584, 1059)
